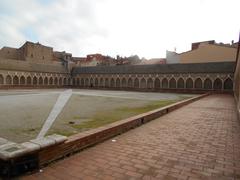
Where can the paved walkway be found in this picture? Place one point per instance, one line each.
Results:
(199, 141)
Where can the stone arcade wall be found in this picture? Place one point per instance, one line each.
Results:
(14, 74)
(192, 77)
(175, 77)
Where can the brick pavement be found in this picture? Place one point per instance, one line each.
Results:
(198, 141)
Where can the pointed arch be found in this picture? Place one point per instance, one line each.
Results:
(1, 79)
(150, 83)
(124, 82)
(217, 84)
(46, 81)
(136, 83)
(228, 84)
(35, 80)
(22, 80)
(74, 81)
(101, 82)
(86, 82)
(207, 84)
(69, 81)
(77, 81)
(55, 81)
(91, 82)
(157, 83)
(130, 83)
(96, 82)
(51, 81)
(8, 80)
(82, 82)
(15, 80)
(165, 83)
(60, 81)
(112, 83)
(40, 80)
(65, 81)
(172, 83)
(198, 83)
(189, 83)
(106, 82)
(29, 80)
(118, 85)
(180, 83)
(143, 83)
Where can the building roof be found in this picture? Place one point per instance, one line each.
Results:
(223, 67)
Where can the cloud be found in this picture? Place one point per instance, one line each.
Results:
(125, 27)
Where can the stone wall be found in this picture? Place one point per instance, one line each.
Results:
(191, 77)
(14, 79)
(237, 78)
(10, 53)
(175, 77)
(155, 82)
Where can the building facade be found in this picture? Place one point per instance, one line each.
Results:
(37, 66)
(181, 77)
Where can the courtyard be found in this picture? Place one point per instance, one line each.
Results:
(198, 141)
(23, 112)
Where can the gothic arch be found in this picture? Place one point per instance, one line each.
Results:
(157, 83)
(86, 82)
(112, 83)
(207, 84)
(60, 81)
(180, 83)
(189, 83)
(64, 81)
(55, 81)
(82, 82)
(96, 82)
(22, 80)
(217, 84)
(228, 84)
(106, 82)
(143, 83)
(91, 82)
(136, 83)
(29, 80)
(8, 80)
(124, 82)
(118, 85)
(15, 80)
(51, 81)
(165, 83)
(130, 83)
(69, 81)
(40, 80)
(101, 82)
(74, 81)
(150, 83)
(172, 83)
(1, 79)
(46, 81)
(198, 83)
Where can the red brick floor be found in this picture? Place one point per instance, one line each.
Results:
(198, 141)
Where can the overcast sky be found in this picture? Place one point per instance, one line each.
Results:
(126, 27)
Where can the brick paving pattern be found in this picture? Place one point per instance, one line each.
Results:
(198, 141)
